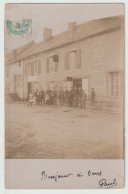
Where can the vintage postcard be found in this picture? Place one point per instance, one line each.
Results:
(64, 96)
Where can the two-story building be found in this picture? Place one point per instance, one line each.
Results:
(89, 55)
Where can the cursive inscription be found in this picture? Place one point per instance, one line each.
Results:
(103, 183)
(90, 173)
(54, 177)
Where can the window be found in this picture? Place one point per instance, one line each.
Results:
(116, 84)
(37, 67)
(73, 59)
(51, 66)
(33, 68)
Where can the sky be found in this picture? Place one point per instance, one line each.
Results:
(54, 16)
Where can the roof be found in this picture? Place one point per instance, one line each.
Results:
(17, 54)
(80, 32)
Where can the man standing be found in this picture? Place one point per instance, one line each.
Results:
(92, 96)
(83, 100)
(65, 97)
(79, 97)
(42, 92)
(55, 97)
(75, 97)
(61, 97)
(37, 96)
(70, 97)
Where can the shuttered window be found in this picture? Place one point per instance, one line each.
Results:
(51, 66)
(33, 68)
(73, 59)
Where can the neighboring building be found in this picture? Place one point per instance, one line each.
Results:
(89, 55)
(14, 70)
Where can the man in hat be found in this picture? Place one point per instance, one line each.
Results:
(92, 96)
(61, 97)
(42, 96)
(37, 96)
(79, 97)
(83, 100)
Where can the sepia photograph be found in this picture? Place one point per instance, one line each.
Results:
(64, 81)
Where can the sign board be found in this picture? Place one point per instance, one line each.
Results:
(55, 58)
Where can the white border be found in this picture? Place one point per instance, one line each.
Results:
(2, 190)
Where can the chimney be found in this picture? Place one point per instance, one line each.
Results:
(71, 26)
(47, 34)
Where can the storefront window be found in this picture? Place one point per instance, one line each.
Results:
(116, 84)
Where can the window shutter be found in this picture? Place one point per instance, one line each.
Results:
(67, 61)
(39, 67)
(78, 58)
(47, 65)
(26, 69)
(35, 64)
(32, 69)
(56, 66)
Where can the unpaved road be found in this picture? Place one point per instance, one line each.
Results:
(62, 133)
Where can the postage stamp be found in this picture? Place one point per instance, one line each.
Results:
(19, 28)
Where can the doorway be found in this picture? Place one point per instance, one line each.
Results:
(29, 88)
(77, 83)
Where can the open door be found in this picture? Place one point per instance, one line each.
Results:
(77, 83)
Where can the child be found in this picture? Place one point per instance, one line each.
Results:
(30, 101)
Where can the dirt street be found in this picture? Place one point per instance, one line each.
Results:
(62, 133)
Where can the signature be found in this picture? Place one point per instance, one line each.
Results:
(103, 183)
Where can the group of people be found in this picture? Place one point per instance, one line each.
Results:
(75, 97)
